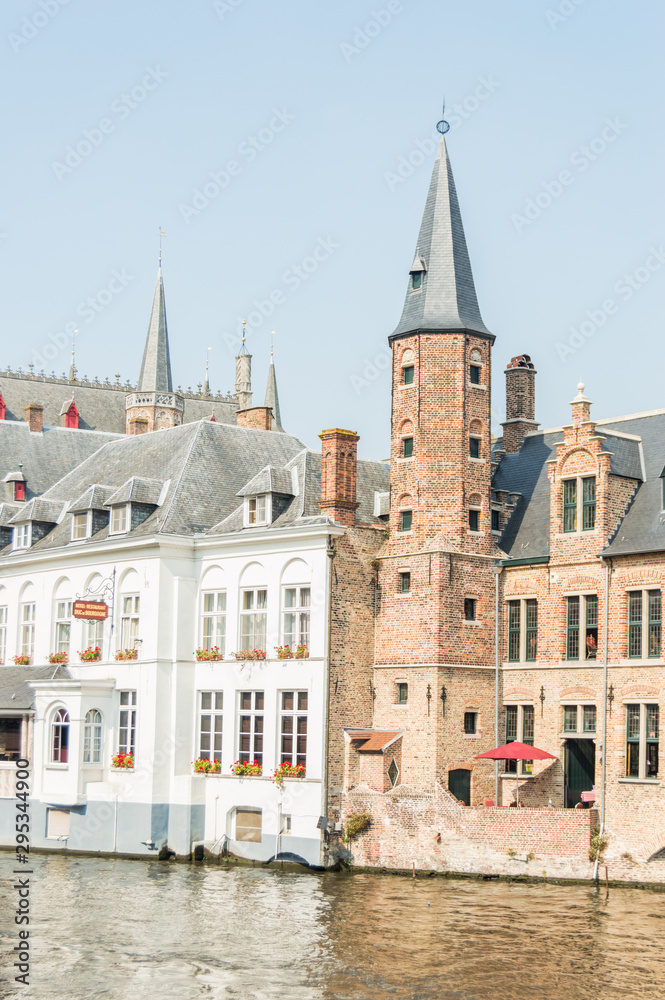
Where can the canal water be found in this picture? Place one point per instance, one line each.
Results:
(122, 929)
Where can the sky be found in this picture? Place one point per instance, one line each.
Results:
(286, 150)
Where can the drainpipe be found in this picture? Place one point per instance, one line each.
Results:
(497, 574)
(603, 772)
(330, 553)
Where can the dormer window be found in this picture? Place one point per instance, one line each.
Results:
(22, 536)
(257, 510)
(81, 526)
(19, 491)
(119, 521)
(417, 279)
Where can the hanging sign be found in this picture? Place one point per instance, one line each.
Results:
(93, 610)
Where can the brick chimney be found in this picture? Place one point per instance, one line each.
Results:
(520, 402)
(138, 425)
(258, 417)
(339, 471)
(34, 416)
(581, 407)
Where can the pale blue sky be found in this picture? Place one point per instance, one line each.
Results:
(347, 112)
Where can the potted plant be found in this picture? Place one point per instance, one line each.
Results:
(209, 654)
(246, 768)
(204, 766)
(288, 770)
(302, 653)
(57, 658)
(284, 652)
(123, 761)
(91, 653)
(22, 660)
(251, 654)
(126, 654)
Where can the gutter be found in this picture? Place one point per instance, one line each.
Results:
(533, 561)
(327, 627)
(603, 777)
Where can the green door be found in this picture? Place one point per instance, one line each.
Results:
(580, 770)
(459, 783)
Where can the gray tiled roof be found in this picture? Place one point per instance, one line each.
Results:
(447, 298)
(93, 498)
(155, 375)
(38, 509)
(7, 511)
(268, 480)
(137, 490)
(15, 692)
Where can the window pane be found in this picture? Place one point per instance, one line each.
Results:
(511, 723)
(589, 718)
(633, 721)
(407, 447)
(408, 375)
(654, 622)
(570, 718)
(652, 722)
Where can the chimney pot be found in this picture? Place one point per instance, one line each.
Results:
(34, 416)
(520, 402)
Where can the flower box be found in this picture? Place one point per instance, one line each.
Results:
(204, 766)
(22, 661)
(284, 652)
(126, 654)
(251, 654)
(89, 654)
(57, 658)
(123, 761)
(209, 654)
(302, 653)
(252, 768)
(287, 770)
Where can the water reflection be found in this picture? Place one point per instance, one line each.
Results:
(112, 928)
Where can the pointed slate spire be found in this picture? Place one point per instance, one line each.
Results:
(441, 294)
(155, 373)
(272, 398)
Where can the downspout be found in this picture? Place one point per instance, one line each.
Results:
(603, 773)
(330, 553)
(497, 574)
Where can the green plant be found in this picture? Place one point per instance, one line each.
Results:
(251, 654)
(355, 824)
(511, 852)
(204, 766)
(123, 760)
(288, 770)
(209, 654)
(284, 652)
(126, 654)
(302, 653)
(91, 653)
(628, 857)
(242, 768)
(598, 845)
(22, 661)
(57, 657)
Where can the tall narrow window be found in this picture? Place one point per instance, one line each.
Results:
(127, 722)
(405, 583)
(642, 735)
(80, 526)
(28, 613)
(470, 723)
(589, 503)
(635, 624)
(119, 522)
(63, 626)
(22, 536)
(402, 693)
(570, 505)
(210, 725)
(474, 374)
(470, 609)
(250, 728)
(417, 279)
(92, 737)
(496, 519)
(407, 447)
(405, 520)
(407, 374)
(582, 627)
(94, 634)
(214, 620)
(644, 623)
(297, 603)
(293, 728)
(531, 629)
(474, 447)
(519, 727)
(3, 633)
(514, 632)
(60, 737)
(474, 520)
(257, 510)
(253, 618)
(129, 622)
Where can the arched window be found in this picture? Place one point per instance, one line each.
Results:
(407, 367)
(475, 508)
(475, 366)
(475, 439)
(60, 737)
(92, 737)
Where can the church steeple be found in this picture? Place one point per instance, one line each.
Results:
(155, 375)
(441, 295)
(272, 398)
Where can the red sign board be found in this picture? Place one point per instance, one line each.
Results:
(94, 610)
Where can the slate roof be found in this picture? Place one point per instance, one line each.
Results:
(7, 511)
(15, 693)
(268, 480)
(637, 444)
(447, 298)
(38, 509)
(93, 498)
(155, 374)
(137, 490)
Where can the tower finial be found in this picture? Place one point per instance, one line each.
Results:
(243, 346)
(272, 347)
(72, 367)
(206, 384)
(443, 126)
(161, 235)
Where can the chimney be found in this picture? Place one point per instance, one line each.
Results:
(34, 415)
(581, 407)
(258, 417)
(520, 402)
(339, 468)
(137, 425)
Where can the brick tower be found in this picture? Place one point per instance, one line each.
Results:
(434, 648)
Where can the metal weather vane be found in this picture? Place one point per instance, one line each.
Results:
(443, 126)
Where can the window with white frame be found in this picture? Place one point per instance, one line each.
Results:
(63, 626)
(644, 623)
(27, 633)
(257, 510)
(129, 621)
(22, 536)
(642, 724)
(522, 630)
(60, 737)
(580, 720)
(582, 627)
(250, 727)
(253, 619)
(519, 727)
(214, 620)
(81, 525)
(92, 737)
(211, 725)
(57, 824)
(296, 618)
(93, 633)
(293, 728)
(3, 632)
(127, 722)
(119, 520)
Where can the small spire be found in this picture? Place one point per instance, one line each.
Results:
(72, 367)
(272, 397)
(155, 374)
(206, 384)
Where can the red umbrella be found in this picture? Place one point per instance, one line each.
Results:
(516, 751)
